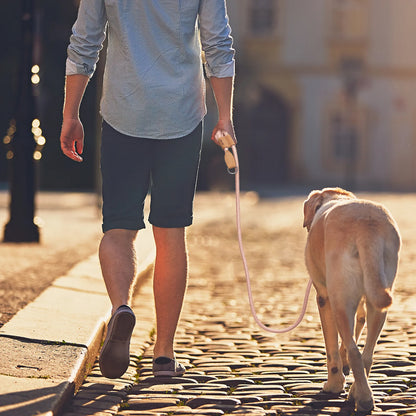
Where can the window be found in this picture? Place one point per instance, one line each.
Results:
(263, 17)
(345, 138)
(349, 19)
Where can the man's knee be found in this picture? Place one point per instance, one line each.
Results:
(173, 237)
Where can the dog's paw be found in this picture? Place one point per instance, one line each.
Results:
(363, 404)
(333, 387)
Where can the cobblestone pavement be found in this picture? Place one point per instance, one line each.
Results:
(235, 368)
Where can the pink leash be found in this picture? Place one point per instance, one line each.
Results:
(227, 143)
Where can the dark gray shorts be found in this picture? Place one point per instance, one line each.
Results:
(131, 167)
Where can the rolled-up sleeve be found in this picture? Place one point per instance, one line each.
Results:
(88, 34)
(216, 39)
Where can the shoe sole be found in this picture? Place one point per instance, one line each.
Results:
(115, 353)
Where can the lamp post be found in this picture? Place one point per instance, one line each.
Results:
(21, 227)
(352, 72)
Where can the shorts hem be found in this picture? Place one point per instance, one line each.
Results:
(171, 224)
(132, 227)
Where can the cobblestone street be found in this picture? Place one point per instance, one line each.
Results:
(234, 367)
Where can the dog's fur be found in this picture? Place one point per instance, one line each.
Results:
(351, 254)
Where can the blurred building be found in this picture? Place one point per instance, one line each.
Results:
(326, 91)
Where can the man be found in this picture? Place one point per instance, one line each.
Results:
(152, 106)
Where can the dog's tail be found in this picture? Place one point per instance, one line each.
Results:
(377, 285)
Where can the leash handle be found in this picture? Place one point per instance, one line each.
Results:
(227, 142)
(247, 273)
(230, 162)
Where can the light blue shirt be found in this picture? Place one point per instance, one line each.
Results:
(153, 83)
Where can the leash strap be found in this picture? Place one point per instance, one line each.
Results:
(226, 144)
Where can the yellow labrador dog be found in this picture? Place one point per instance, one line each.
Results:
(351, 254)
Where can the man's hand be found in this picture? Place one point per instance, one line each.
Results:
(72, 133)
(72, 139)
(223, 127)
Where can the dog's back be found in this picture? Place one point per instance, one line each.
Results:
(366, 236)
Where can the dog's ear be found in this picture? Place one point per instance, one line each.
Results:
(310, 206)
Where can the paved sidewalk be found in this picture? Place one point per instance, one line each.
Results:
(235, 368)
(70, 231)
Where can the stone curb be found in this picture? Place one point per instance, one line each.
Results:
(49, 347)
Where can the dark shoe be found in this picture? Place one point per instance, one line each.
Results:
(115, 353)
(166, 367)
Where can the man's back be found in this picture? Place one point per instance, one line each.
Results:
(153, 80)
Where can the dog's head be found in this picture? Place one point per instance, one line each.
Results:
(317, 198)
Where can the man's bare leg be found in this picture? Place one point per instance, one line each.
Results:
(169, 285)
(118, 265)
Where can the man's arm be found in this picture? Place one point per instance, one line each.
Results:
(223, 92)
(72, 133)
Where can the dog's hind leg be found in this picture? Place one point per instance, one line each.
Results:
(360, 391)
(360, 319)
(375, 324)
